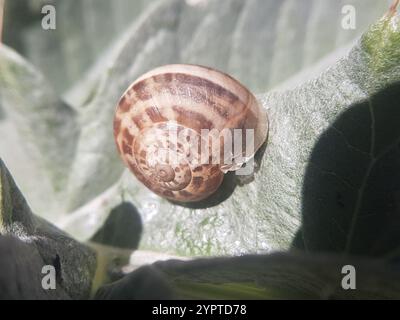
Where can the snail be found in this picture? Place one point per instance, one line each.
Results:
(159, 124)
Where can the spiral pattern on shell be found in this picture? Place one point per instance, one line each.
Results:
(182, 99)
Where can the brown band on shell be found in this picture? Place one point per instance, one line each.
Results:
(154, 114)
(192, 119)
(143, 92)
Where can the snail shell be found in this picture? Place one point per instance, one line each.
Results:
(184, 99)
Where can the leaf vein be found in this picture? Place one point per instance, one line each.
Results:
(360, 193)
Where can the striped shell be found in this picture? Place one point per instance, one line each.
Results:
(183, 99)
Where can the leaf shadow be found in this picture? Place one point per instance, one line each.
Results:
(351, 190)
(122, 229)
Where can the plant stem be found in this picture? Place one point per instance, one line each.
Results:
(393, 8)
(1, 18)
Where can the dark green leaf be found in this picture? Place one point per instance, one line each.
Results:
(35, 243)
(276, 276)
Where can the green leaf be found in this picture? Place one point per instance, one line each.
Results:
(241, 217)
(327, 180)
(21, 272)
(352, 182)
(275, 276)
(65, 54)
(31, 243)
(263, 213)
(144, 284)
(44, 128)
(255, 49)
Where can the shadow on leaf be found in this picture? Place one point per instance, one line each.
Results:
(351, 191)
(122, 229)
